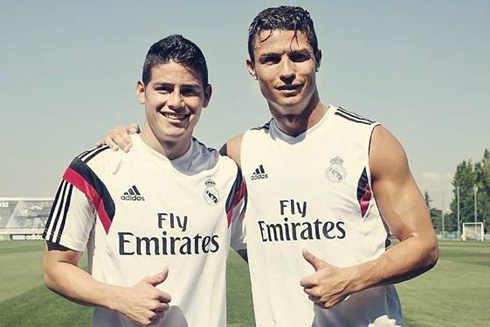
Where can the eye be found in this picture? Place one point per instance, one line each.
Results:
(299, 57)
(163, 89)
(189, 92)
(270, 59)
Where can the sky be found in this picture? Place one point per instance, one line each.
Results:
(68, 72)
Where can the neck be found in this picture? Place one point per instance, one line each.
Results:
(169, 149)
(295, 124)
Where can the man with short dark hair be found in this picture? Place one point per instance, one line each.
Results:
(155, 221)
(322, 179)
(336, 182)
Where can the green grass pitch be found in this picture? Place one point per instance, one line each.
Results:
(454, 293)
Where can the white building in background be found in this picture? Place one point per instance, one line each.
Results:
(23, 218)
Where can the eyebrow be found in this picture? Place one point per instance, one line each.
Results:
(164, 84)
(302, 51)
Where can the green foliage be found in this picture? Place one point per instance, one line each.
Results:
(482, 170)
(435, 214)
(467, 176)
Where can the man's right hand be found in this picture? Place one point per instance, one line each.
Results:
(119, 137)
(143, 303)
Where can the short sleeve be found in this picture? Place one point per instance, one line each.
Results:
(71, 219)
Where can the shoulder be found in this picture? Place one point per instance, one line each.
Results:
(352, 118)
(90, 154)
(232, 148)
(98, 159)
(386, 156)
(205, 158)
(203, 153)
(93, 157)
(210, 160)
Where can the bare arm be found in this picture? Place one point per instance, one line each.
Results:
(405, 213)
(142, 303)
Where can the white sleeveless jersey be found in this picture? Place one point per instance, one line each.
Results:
(312, 191)
(139, 212)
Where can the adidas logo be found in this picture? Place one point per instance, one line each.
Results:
(259, 173)
(132, 195)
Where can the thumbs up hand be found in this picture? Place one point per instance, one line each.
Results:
(156, 279)
(143, 303)
(329, 285)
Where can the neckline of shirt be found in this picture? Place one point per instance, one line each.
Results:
(179, 162)
(295, 139)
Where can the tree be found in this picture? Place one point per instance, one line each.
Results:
(435, 214)
(467, 176)
(482, 171)
(464, 178)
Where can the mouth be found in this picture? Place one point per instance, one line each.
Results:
(290, 87)
(175, 116)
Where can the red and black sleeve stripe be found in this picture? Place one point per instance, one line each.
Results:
(83, 178)
(79, 175)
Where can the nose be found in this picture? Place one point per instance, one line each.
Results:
(174, 100)
(288, 71)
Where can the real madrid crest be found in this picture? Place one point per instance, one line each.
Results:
(336, 172)
(211, 194)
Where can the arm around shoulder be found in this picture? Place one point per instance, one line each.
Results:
(232, 149)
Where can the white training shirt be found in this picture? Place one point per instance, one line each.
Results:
(139, 212)
(312, 191)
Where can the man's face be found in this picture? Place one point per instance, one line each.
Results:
(173, 99)
(285, 68)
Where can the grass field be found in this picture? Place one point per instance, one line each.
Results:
(454, 293)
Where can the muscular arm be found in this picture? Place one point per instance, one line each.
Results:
(405, 213)
(142, 303)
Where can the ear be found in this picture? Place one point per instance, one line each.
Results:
(140, 92)
(318, 59)
(208, 90)
(251, 68)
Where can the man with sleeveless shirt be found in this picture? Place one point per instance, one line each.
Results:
(324, 187)
(157, 221)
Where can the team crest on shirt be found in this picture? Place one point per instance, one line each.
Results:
(336, 172)
(211, 194)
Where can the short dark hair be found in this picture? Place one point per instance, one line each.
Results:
(179, 49)
(287, 18)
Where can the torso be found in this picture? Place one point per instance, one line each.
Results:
(312, 191)
(166, 214)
